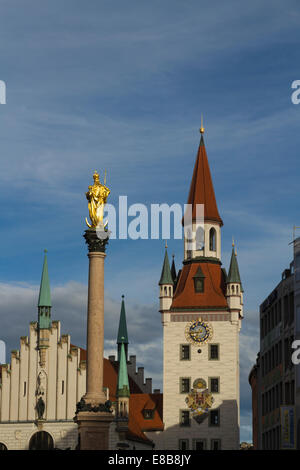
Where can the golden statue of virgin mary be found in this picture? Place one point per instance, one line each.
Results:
(97, 196)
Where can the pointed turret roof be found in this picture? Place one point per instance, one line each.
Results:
(45, 295)
(123, 382)
(173, 269)
(122, 331)
(166, 276)
(233, 274)
(201, 189)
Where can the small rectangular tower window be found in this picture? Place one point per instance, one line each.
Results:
(185, 385)
(185, 350)
(213, 352)
(62, 387)
(24, 393)
(199, 444)
(214, 418)
(183, 444)
(215, 444)
(185, 418)
(214, 384)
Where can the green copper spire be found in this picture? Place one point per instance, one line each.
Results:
(122, 331)
(166, 276)
(233, 274)
(123, 383)
(44, 304)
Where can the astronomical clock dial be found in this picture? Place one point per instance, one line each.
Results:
(198, 332)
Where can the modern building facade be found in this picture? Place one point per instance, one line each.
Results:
(201, 313)
(274, 379)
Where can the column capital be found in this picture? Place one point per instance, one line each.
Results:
(95, 244)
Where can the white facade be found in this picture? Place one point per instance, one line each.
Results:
(61, 383)
(199, 366)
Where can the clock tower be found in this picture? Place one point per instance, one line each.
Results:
(201, 313)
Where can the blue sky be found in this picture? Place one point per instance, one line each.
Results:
(122, 85)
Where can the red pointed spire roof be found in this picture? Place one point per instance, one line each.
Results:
(202, 189)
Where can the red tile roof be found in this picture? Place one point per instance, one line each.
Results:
(201, 189)
(137, 402)
(214, 288)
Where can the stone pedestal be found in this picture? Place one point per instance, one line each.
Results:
(93, 429)
(93, 414)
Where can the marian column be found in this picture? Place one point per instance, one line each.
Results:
(93, 414)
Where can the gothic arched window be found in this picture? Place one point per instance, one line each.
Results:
(212, 239)
(199, 238)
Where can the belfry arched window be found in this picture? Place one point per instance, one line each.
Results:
(212, 239)
(199, 238)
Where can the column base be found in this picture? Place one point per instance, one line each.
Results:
(95, 400)
(93, 429)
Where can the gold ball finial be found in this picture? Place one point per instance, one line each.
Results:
(232, 242)
(201, 128)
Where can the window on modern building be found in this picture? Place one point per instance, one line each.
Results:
(214, 352)
(279, 310)
(214, 386)
(185, 418)
(212, 239)
(280, 352)
(183, 444)
(286, 353)
(280, 394)
(185, 385)
(291, 351)
(291, 308)
(286, 309)
(215, 444)
(199, 444)
(214, 418)
(287, 393)
(185, 352)
(275, 314)
(292, 392)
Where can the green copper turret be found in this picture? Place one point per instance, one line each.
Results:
(44, 304)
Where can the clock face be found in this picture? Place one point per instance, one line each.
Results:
(198, 332)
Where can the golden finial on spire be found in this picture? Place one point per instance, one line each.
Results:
(232, 242)
(166, 244)
(201, 128)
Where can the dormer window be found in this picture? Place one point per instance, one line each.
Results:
(148, 414)
(199, 281)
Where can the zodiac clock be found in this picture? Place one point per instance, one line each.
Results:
(198, 332)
